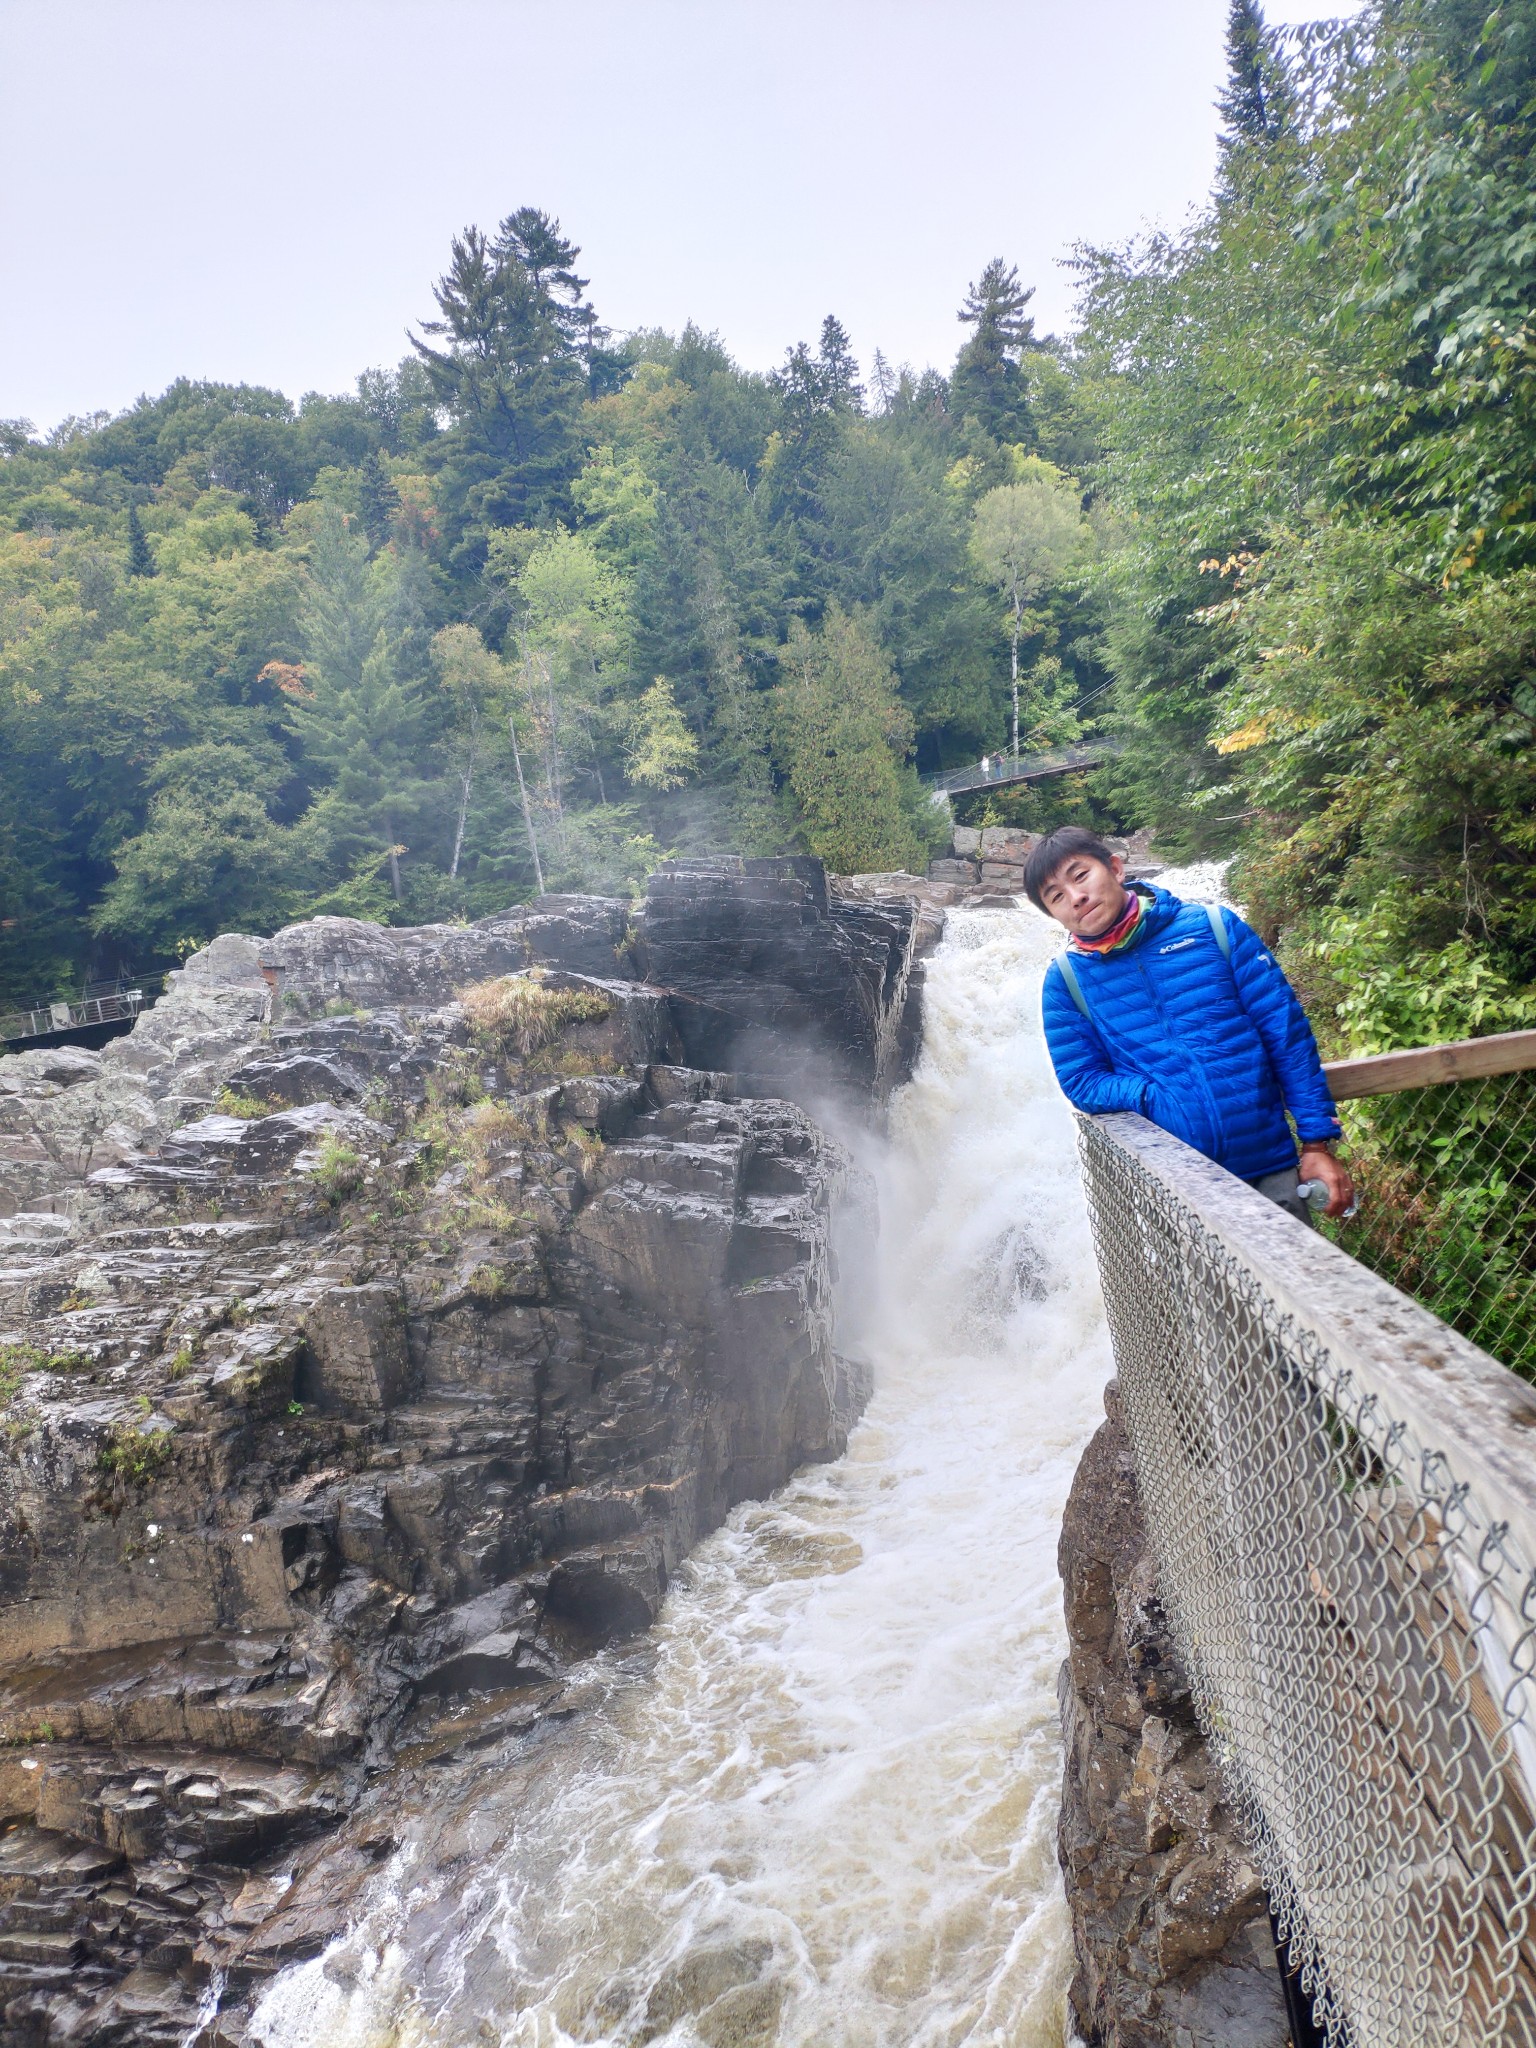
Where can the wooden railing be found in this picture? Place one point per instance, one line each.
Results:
(1425, 1066)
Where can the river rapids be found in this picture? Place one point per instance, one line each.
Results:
(815, 1806)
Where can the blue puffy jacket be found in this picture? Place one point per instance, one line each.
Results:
(1214, 1050)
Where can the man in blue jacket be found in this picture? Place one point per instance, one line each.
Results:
(1179, 1011)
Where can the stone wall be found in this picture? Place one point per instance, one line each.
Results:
(1169, 1919)
(989, 860)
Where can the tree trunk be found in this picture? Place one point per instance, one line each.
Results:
(466, 784)
(1018, 621)
(394, 858)
(552, 765)
(522, 790)
(466, 788)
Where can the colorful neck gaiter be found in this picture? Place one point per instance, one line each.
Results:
(1124, 932)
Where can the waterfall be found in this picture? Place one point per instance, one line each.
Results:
(815, 1806)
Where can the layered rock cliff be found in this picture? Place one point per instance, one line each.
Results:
(380, 1323)
(1169, 1919)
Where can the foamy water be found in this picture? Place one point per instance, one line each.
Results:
(817, 1805)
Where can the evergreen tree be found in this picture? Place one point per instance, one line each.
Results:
(817, 395)
(988, 384)
(362, 713)
(141, 560)
(844, 736)
(839, 368)
(378, 500)
(514, 364)
(1255, 102)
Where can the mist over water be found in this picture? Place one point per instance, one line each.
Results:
(816, 1804)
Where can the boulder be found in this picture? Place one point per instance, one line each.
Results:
(357, 1360)
(1009, 843)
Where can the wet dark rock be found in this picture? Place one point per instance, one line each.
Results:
(797, 988)
(367, 1366)
(1169, 1919)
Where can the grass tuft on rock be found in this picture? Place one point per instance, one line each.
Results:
(521, 1013)
(134, 1456)
(231, 1102)
(338, 1170)
(17, 1360)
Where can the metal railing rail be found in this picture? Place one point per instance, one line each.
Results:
(1341, 1495)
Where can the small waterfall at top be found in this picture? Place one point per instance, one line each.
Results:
(815, 1807)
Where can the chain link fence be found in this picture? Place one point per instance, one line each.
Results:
(1448, 1175)
(1340, 1494)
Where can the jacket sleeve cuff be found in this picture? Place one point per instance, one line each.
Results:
(1314, 1133)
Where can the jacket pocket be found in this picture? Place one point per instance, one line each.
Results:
(1182, 1111)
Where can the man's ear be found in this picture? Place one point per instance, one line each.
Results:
(1117, 867)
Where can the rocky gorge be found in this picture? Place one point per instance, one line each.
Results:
(380, 1323)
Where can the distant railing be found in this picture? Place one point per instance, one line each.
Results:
(1000, 769)
(1342, 1502)
(112, 1002)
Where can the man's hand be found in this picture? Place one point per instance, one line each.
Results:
(1318, 1163)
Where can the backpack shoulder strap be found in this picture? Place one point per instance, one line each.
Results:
(1219, 931)
(1074, 986)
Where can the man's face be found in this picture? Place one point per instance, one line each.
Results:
(1085, 895)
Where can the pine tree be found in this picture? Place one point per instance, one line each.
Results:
(363, 716)
(519, 348)
(988, 384)
(1255, 102)
(844, 735)
(141, 560)
(839, 368)
(378, 500)
(816, 394)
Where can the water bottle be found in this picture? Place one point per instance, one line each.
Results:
(1315, 1194)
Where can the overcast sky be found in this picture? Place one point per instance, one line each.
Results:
(265, 189)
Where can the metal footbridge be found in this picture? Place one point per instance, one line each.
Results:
(998, 771)
(101, 1002)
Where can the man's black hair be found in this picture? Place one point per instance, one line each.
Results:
(1056, 847)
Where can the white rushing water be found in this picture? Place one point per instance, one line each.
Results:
(817, 1805)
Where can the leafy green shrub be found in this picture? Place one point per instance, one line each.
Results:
(16, 1361)
(488, 1284)
(69, 1359)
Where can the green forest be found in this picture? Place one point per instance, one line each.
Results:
(545, 604)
